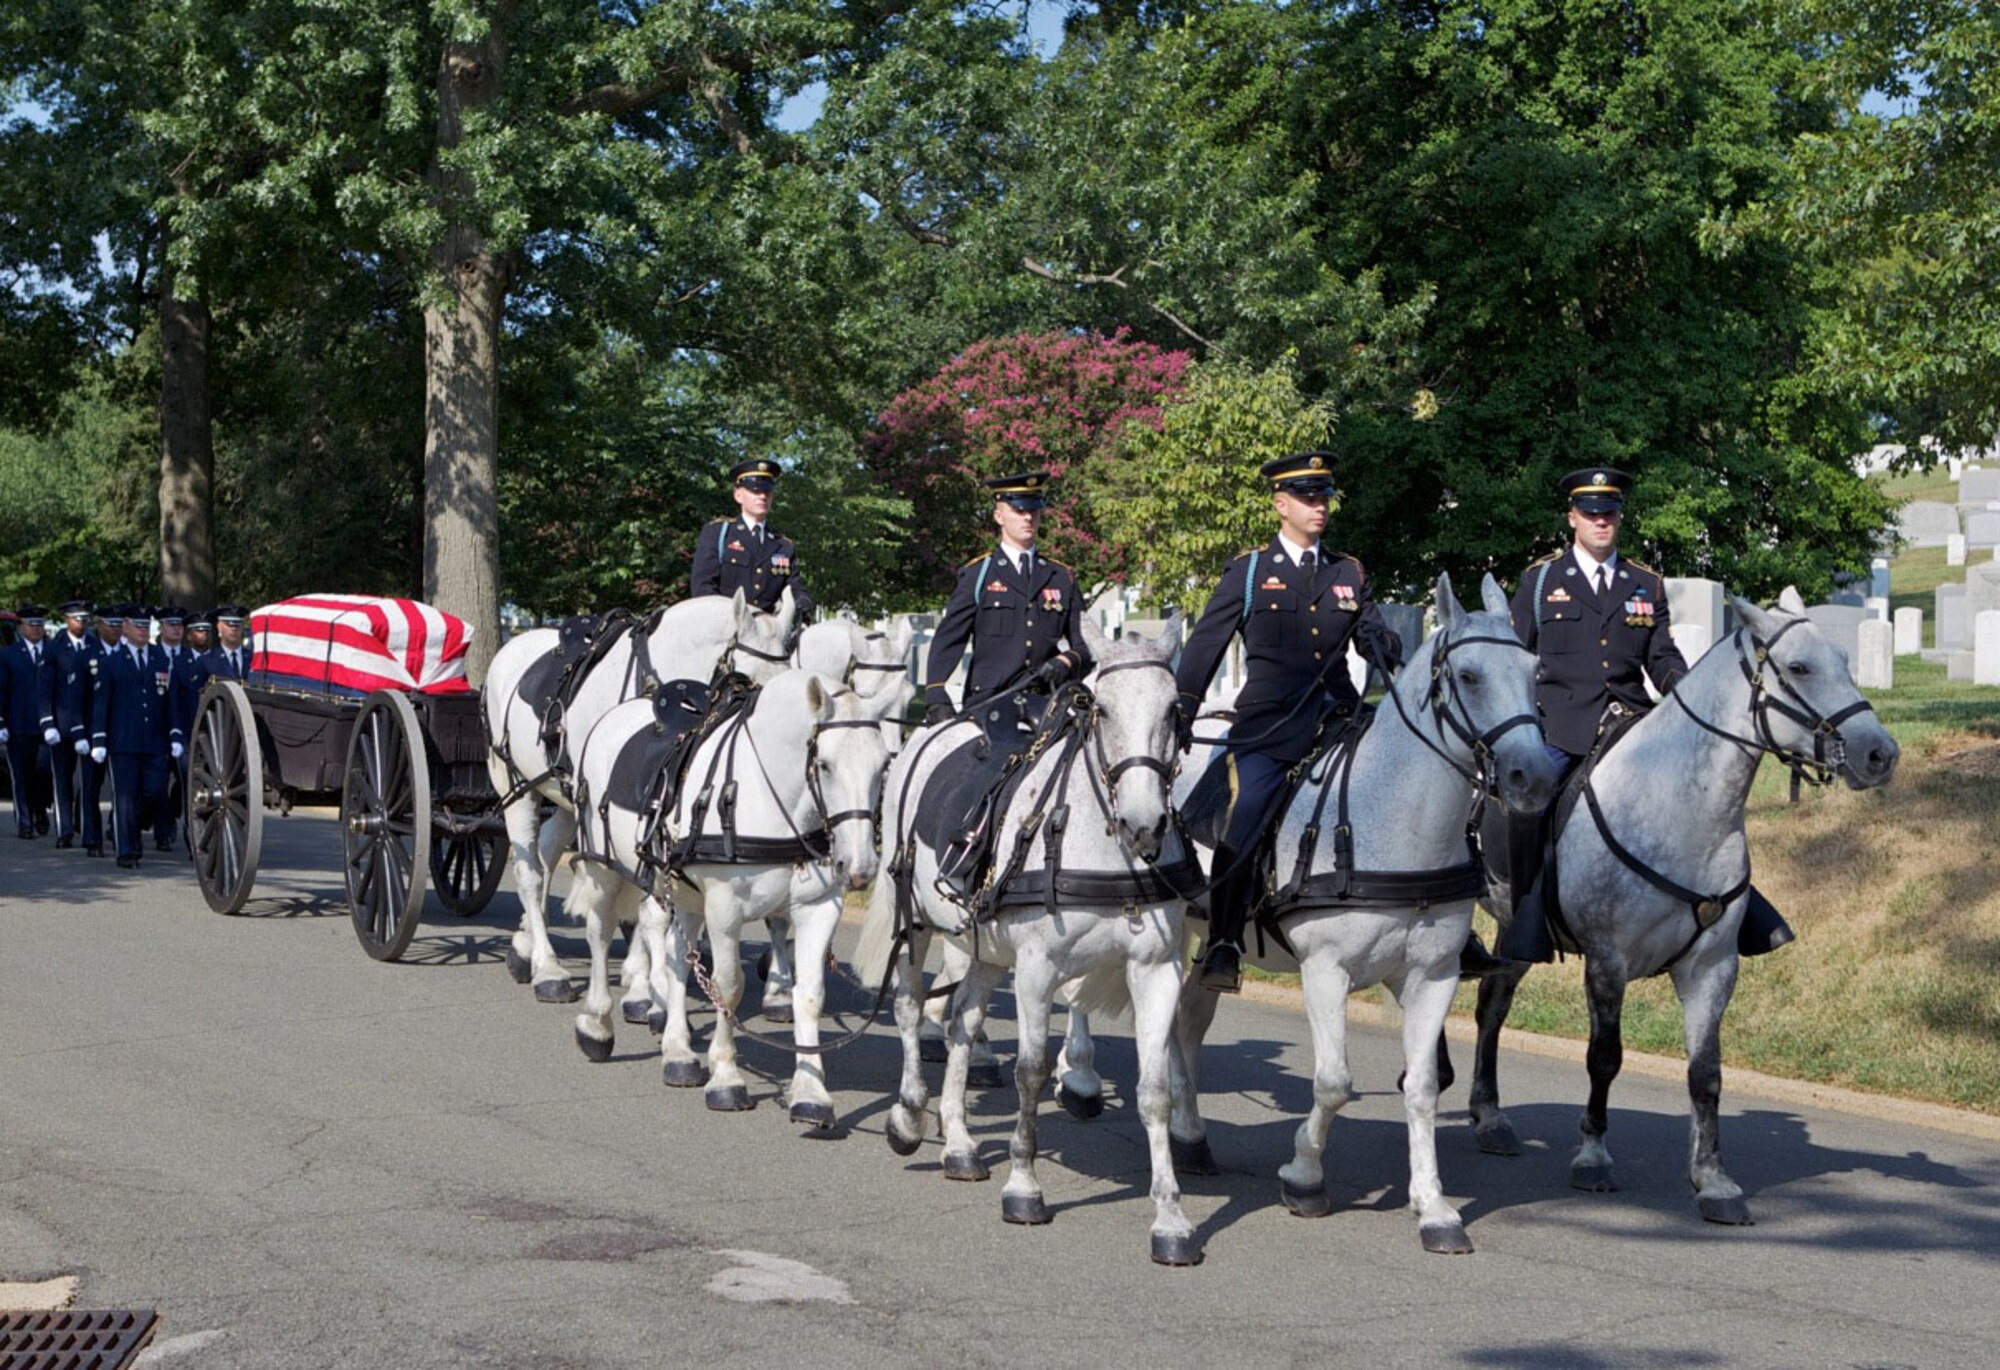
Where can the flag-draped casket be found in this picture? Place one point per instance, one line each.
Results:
(348, 645)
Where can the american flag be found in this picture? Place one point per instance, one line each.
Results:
(351, 644)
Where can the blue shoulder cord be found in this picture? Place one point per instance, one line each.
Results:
(1249, 586)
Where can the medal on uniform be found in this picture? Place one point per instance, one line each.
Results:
(735, 546)
(782, 565)
(1559, 595)
(1051, 597)
(1274, 583)
(1348, 597)
(996, 587)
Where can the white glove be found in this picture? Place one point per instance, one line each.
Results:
(97, 755)
(177, 749)
(82, 747)
(52, 737)
(3, 735)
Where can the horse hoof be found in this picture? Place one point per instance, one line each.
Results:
(1025, 1210)
(1304, 1203)
(818, 1117)
(900, 1142)
(1193, 1158)
(778, 1013)
(656, 1021)
(729, 1099)
(1446, 1239)
(1729, 1212)
(966, 1167)
(1084, 1106)
(932, 1049)
(1176, 1250)
(684, 1074)
(555, 991)
(593, 1048)
(1500, 1139)
(637, 1012)
(1595, 1178)
(983, 1076)
(518, 967)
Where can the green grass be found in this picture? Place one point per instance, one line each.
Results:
(1935, 483)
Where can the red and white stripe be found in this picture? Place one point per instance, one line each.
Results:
(362, 642)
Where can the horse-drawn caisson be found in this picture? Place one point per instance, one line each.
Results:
(364, 700)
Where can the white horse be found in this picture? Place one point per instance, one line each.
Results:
(1377, 886)
(803, 765)
(686, 642)
(1087, 835)
(1671, 795)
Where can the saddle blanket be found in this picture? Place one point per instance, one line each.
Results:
(348, 645)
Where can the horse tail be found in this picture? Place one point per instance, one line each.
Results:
(1104, 994)
(878, 932)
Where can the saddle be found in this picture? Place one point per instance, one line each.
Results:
(958, 811)
(551, 683)
(650, 770)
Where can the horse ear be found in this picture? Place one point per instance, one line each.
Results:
(818, 702)
(1094, 640)
(787, 610)
(1169, 640)
(1493, 597)
(1448, 607)
(1790, 602)
(900, 636)
(1760, 623)
(740, 612)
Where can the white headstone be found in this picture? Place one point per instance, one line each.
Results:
(1951, 635)
(1878, 578)
(1877, 607)
(1841, 624)
(1909, 631)
(1955, 465)
(1958, 666)
(1982, 592)
(1875, 655)
(1976, 486)
(1986, 648)
(1954, 550)
(1927, 523)
(1983, 528)
(1691, 600)
(1692, 638)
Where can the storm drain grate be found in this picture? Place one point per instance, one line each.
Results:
(77, 1339)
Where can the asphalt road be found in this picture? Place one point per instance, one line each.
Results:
(303, 1158)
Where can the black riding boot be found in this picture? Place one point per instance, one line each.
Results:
(1474, 960)
(1763, 929)
(1228, 906)
(1527, 936)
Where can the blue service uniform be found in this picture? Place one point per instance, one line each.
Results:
(131, 718)
(219, 663)
(729, 556)
(1591, 649)
(185, 679)
(66, 703)
(21, 670)
(1012, 623)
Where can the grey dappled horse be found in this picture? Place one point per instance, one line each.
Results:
(1671, 794)
(1114, 785)
(686, 643)
(805, 767)
(1460, 719)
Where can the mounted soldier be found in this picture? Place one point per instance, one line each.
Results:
(745, 553)
(1297, 607)
(1598, 622)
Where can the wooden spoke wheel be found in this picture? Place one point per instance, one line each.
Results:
(385, 823)
(225, 796)
(466, 868)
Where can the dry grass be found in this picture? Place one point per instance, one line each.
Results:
(1894, 983)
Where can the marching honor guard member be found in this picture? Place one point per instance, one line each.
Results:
(230, 657)
(22, 665)
(131, 727)
(181, 700)
(1598, 624)
(201, 632)
(745, 553)
(1015, 610)
(75, 657)
(1297, 606)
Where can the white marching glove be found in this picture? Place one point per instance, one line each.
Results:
(51, 736)
(177, 751)
(97, 755)
(3, 735)
(82, 747)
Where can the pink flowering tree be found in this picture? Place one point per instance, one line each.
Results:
(1055, 401)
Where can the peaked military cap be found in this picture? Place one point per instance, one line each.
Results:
(1302, 473)
(78, 608)
(1596, 489)
(760, 474)
(169, 614)
(230, 613)
(1027, 491)
(201, 618)
(33, 615)
(113, 614)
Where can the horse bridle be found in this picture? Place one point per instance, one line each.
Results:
(1829, 753)
(855, 664)
(833, 820)
(1443, 694)
(1106, 773)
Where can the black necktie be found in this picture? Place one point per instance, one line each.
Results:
(1306, 559)
(1603, 581)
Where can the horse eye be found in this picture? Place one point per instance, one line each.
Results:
(1468, 677)
(1798, 668)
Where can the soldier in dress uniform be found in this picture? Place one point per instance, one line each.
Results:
(201, 632)
(1015, 610)
(111, 626)
(1297, 606)
(1598, 622)
(132, 729)
(74, 658)
(745, 553)
(172, 619)
(22, 665)
(230, 657)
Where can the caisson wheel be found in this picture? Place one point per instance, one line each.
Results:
(466, 868)
(225, 796)
(385, 824)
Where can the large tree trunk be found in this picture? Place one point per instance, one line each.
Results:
(462, 374)
(187, 453)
